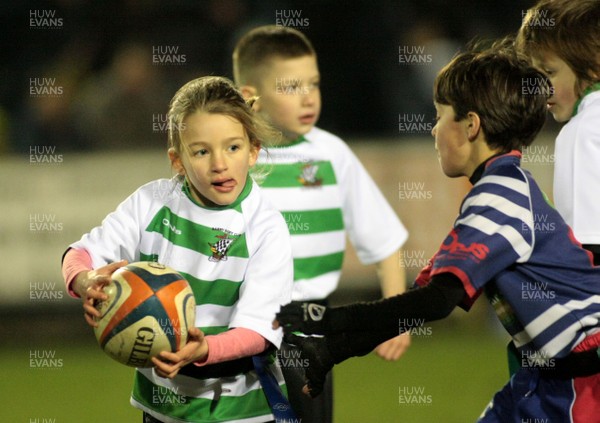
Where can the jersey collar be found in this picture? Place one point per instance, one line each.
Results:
(477, 175)
(297, 141)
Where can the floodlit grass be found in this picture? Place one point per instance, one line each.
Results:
(447, 376)
(81, 384)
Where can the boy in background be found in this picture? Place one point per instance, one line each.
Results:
(319, 185)
(562, 39)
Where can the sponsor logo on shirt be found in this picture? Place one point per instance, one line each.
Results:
(171, 226)
(458, 251)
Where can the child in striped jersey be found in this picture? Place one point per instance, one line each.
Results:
(507, 242)
(214, 139)
(322, 189)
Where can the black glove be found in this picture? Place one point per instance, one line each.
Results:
(308, 318)
(319, 359)
(322, 353)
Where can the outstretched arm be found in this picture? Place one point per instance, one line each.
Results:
(354, 330)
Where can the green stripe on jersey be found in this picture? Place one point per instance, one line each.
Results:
(223, 408)
(311, 267)
(199, 238)
(149, 257)
(214, 330)
(221, 292)
(299, 174)
(313, 221)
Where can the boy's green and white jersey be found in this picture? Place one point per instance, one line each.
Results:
(324, 194)
(237, 260)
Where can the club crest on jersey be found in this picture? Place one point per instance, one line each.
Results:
(220, 248)
(308, 177)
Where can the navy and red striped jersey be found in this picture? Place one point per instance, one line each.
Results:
(510, 242)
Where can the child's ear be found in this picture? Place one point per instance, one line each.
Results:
(176, 163)
(249, 91)
(473, 126)
(254, 150)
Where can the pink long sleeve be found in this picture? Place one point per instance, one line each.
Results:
(233, 344)
(74, 262)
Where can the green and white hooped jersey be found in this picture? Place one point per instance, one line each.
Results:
(324, 194)
(239, 264)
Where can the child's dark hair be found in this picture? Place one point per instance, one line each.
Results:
(216, 95)
(569, 29)
(264, 43)
(507, 93)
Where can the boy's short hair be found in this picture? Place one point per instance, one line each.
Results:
(507, 93)
(264, 43)
(568, 28)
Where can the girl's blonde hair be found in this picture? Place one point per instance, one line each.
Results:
(217, 95)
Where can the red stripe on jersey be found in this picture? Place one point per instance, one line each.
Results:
(472, 293)
(589, 343)
(586, 406)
